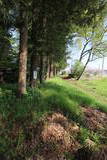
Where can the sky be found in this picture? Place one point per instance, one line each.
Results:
(75, 54)
(96, 65)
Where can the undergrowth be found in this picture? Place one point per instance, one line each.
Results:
(17, 115)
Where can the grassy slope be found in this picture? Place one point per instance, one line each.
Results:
(54, 95)
(96, 88)
(77, 95)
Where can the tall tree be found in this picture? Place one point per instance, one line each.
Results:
(23, 49)
(93, 44)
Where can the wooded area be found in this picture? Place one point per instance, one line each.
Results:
(43, 117)
(35, 35)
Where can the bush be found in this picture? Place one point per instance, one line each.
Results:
(77, 69)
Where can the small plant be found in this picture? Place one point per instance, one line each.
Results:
(95, 137)
(84, 134)
(89, 138)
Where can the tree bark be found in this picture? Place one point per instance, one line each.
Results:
(34, 60)
(41, 69)
(54, 71)
(37, 35)
(82, 52)
(33, 67)
(45, 67)
(50, 67)
(89, 56)
(23, 50)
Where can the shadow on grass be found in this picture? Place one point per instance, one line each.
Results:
(19, 115)
(66, 91)
(48, 98)
(54, 95)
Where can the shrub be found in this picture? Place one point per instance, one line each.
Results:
(77, 69)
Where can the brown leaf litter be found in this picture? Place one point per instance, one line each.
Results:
(95, 119)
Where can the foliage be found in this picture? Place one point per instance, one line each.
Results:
(44, 28)
(77, 69)
(91, 41)
(87, 134)
(52, 24)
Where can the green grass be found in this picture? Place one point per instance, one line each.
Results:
(96, 88)
(74, 94)
(54, 95)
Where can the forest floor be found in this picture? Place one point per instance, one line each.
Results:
(58, 120)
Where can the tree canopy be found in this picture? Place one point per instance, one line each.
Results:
(45, 28)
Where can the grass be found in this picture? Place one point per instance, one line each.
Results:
(97, 88)
(75, 94)
(54, 95)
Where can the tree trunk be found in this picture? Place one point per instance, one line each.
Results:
(45, 67)
(54, 71)
(33, 67)
(85, 66)
(50, 67)
(82, 52)
(37, 35)
(23, 51)
(34, 61)
(41, 69)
